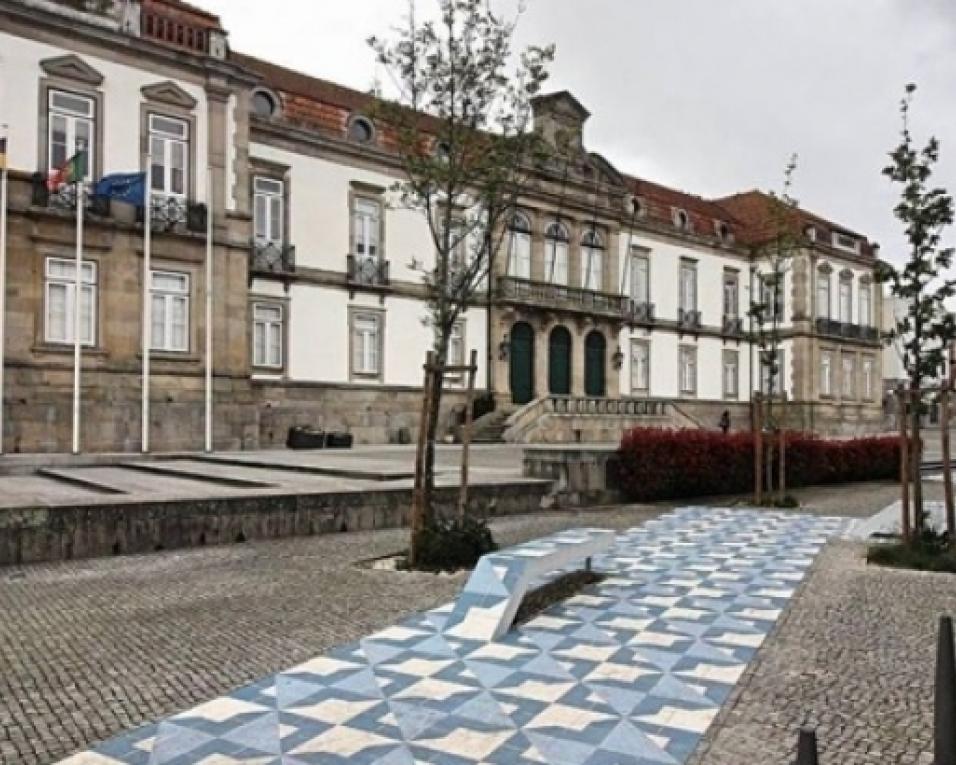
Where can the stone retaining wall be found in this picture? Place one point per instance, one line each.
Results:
(32, 535)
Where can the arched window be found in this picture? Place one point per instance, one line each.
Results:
(361, 130)
(519, 254)
(592, 261)
(866, 302)
(824, 299)
(681, 219)
(556, 241)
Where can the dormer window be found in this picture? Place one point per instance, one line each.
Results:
(724, 234)
(846, 242)
(443, 151)
(361, 130)
(637, 208)
(681, 219)
(264, 104)
(811, 233)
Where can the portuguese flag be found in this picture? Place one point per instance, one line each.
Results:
(73, 170)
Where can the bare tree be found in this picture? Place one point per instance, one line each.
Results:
(774, 262)
(461, 126)
(926, 329)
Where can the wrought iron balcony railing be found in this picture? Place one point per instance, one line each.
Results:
(847, 330)
(639, 312)
(366, 271)
(688, 318)
(733, 326)
(561, 297)
(272, 257)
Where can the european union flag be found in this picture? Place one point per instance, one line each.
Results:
(123, 187)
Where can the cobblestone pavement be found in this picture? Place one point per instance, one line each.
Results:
(91, 648)
(854, 658)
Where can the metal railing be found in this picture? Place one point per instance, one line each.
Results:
(688, 318)
(562, 297)
(272, 257)
(367, 271)
(846, 330)
(639, 312)
(733, 326)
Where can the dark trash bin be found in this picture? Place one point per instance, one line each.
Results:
(338, 440)
(301, 437)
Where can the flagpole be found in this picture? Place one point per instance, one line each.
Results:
(147, 303)
(3, 284)
(77, 316)
(209, 285)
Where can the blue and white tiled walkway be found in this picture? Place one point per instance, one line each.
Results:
(631, 672)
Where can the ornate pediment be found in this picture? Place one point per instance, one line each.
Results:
(72, 67)
(169, 92)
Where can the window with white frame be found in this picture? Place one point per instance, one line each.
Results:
(640, 275)
(169, 295)
(823, 294)
(71, 120)
(688, 285)
(268, 210)
(367, 344)
(267, 335)
(866, 303)
(687, 369)
(456, 350)
(640, 366)
(556, 254)
(848, 369)
(60, 298)
(771, 373)
(846, 300)
(771, 296)
(868, 381)
(731, 293)
(845, 242)
(592, 261)
(731, 374)
(519, 255)
(366, 228)
(826, 373)
(169, 155)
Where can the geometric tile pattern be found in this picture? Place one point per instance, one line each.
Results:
(629, 672)
(486, 607)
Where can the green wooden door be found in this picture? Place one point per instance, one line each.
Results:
(522, 363)
(595, 348)
(559, 362)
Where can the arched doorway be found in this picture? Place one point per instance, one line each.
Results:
(595, 348)
(522, 363)
(559, 362)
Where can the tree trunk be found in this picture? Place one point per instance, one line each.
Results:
(782, 446)
(758, 449)
(466, 436)
(904, 464)
(418, 513)
(916, 460)
(434, 407)
(947, 475)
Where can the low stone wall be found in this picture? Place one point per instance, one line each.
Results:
(581, 476)
(372, 414)
(33, 535)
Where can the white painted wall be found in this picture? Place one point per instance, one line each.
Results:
(20, 75)
(320, 216)
(319, 335)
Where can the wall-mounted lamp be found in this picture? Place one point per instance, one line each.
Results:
(504, 348)
(618, 358)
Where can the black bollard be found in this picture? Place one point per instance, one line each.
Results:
(807, 748)
(944, 724)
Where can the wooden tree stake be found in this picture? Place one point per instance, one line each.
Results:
(758, 448)
(947, 474)
(904, 463)
(417, 521)
(466, 436)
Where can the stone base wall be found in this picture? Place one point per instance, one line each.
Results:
(372, 414)
(37, 535)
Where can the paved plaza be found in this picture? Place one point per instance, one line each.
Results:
(241, 474)
(632, 671)
(91, 649)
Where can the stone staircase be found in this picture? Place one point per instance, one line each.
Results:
(490, 428)
(575, 419)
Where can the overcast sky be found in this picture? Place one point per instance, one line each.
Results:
(709, 96)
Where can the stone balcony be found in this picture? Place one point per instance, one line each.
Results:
(847, 331)
(558, 297)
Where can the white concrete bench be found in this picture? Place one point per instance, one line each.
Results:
(486, 607)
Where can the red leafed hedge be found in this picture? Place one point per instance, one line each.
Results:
(668, 464)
